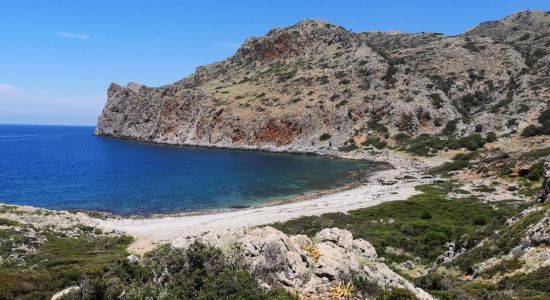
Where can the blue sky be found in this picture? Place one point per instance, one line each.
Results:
(58, 57)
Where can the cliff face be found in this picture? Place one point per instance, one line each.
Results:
(286, 89)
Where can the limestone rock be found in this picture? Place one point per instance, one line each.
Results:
(545, 195)
(309, 266)
(65, 292)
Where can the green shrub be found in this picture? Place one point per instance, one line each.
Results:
(450, 127)
(480, 220)
(325, 136)
(341, 103)
(323, 79)
(401, 137)
(437, 102)
(395, 294)
(283, 77)
(345, 81)
(426, 215)
(491, 137)
(348, 148)
(389, 77)
(535, 171)
(374, 124)
(376, 142)
(340, 74)
(543, 129)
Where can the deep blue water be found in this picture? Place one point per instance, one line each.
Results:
(66, 167)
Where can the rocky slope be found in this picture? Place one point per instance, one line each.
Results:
(315, 86)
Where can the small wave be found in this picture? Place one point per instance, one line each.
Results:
(28, 137)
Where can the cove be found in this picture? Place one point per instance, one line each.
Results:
(66, 167)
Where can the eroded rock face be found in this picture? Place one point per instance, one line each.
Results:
(309, 266)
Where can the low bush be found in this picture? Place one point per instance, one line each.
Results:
(199, 272)
(450, 127)
(543, 129)
(437, 102)
(460, 161)
(491, 137)
(425, 144)
(376, 142)
(325, 136)
(374, 124)
(348, 148)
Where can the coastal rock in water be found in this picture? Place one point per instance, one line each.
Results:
(545, 195)
(308, 266)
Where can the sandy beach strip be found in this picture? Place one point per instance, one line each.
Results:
(149, 232)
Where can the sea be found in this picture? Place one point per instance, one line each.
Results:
(67, 167)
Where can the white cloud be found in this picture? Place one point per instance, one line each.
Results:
(4, 88)
(70, 35)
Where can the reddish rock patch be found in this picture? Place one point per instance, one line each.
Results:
(280, 132)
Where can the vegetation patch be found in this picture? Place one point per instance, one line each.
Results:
(543, 129)
(533, 285)
(498, 244)
(199, 272)
(425, 144)
(406, 224)
(348, 148)
(57, 262)
(460, 161)
(375, 141)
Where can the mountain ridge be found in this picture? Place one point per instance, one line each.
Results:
(285, 90)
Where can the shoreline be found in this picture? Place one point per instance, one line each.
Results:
(382, 186)
(149, 232)
(387, 182)
(356, 181)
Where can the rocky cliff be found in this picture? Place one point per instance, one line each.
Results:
(285, 90)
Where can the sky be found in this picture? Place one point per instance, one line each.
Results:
(57, 57)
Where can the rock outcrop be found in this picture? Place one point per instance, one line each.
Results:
(545, 195)
(283, 91)
(539, 233)
(310, 267)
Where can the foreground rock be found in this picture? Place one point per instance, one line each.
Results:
(311, 267)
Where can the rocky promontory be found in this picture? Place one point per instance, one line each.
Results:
(315, 86)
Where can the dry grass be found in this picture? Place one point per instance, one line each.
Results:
(313, 252)
(342, 290)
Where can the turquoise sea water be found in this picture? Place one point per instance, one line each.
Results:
(64, 167)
